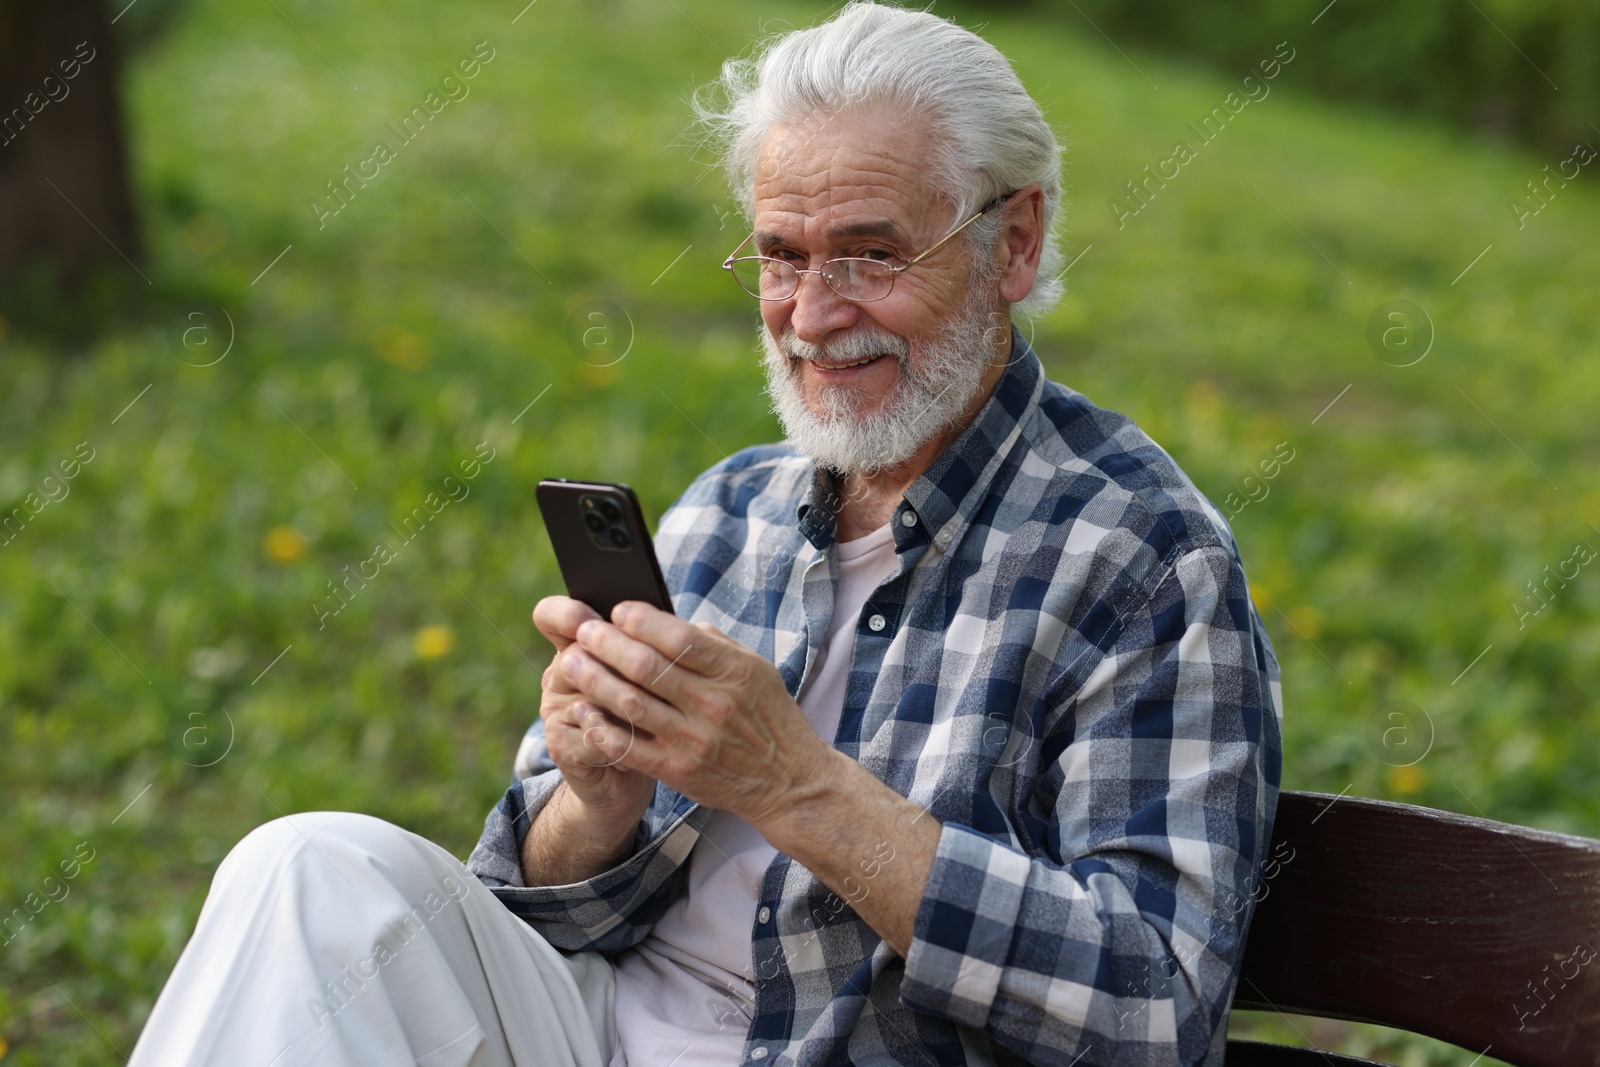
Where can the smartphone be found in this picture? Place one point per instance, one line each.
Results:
(602, 544)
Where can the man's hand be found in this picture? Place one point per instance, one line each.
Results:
(690, 706)
(588, 825)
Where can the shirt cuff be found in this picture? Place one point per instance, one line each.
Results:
(497, 858)
(965, 923)
(608, 912)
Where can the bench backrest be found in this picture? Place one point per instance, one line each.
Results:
(1479, 933)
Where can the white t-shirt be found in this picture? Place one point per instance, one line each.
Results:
(686, 993)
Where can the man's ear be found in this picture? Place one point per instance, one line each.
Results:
(1021, 242)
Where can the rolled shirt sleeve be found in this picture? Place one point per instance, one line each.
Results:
(606, 913)
(1122, 943)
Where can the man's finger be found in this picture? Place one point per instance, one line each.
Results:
(553, 680)
(626, 701)
(616, 743)
(558, 618)
(581, 756)
(636, 661)
(682, 643)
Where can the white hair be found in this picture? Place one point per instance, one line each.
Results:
(989, 137)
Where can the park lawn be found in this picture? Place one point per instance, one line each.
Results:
(167, 680)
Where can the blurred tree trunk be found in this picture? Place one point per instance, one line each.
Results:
(63, 162)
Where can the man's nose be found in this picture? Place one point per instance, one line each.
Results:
(819, 311)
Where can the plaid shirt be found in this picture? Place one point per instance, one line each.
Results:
(1067, 672)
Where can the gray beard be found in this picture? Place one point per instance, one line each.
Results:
(924, 401)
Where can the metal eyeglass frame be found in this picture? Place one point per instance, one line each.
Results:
(892, 272)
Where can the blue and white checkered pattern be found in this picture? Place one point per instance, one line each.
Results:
(1072, 680)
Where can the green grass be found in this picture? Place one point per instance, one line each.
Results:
(140, 612)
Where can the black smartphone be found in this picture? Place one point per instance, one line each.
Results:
(602, 544)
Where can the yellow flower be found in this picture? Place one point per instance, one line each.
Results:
(1409, 779)
(284, 545)
(431, 642)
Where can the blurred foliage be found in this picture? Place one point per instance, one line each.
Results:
(141, 23)
(1528, 68)
(165, 684)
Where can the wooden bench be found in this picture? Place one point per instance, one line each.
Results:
(1478, 933)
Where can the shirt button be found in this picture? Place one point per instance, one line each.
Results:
(763, 915)
(758, 1053)
(943, 538)
(908, 519)
(877, 623)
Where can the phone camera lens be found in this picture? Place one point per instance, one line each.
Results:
(619, 537)
(594, 522)
(610, 511)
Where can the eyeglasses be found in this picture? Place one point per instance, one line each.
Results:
(854, 278)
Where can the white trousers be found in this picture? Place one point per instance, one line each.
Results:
(333, 939)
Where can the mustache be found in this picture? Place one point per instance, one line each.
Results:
(847, 349)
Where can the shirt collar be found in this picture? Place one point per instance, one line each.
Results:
(945, 496)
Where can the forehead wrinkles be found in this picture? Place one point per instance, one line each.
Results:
(827, 174)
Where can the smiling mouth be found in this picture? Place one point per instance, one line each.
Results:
(844, 366)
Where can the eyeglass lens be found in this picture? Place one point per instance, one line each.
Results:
(773, 279)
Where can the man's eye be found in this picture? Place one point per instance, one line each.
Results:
(877, 253)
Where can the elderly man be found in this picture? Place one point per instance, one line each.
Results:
(962, 745)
